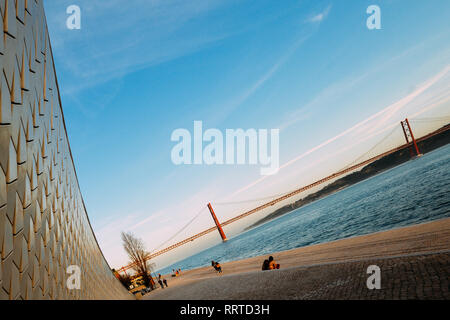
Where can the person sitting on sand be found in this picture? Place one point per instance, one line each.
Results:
(273, 264)
(265, 265)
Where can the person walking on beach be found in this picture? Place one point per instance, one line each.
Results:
(273, 264)
(160, 281)
(165, 282)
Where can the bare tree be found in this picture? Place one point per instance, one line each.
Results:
(138, 255)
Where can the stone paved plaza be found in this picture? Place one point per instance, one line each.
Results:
(424, 276)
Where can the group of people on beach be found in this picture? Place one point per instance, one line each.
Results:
(270, 264)
(163, 282)
(176, 273)
(216, 265)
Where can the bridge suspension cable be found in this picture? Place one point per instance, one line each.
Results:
(370, 150)
(182, 229)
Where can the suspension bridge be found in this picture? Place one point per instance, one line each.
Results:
(410, 143)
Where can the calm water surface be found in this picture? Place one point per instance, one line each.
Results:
(414, 192)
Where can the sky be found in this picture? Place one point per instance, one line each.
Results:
(138, 70)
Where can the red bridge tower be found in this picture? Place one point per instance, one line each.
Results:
(219, 227)
(409, 135)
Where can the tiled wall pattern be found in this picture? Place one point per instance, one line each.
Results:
(44, 226)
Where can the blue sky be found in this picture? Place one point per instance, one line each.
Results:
(136, 71)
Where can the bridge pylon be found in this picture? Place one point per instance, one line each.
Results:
(219, 227)
(409, 135)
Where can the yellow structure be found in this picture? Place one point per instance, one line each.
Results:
(44, 227)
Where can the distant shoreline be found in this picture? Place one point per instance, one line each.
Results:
(426, 144)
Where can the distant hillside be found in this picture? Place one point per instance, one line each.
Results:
(385, 163)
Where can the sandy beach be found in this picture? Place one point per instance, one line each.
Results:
(414, 263)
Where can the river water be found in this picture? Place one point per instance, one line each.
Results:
(414, 192)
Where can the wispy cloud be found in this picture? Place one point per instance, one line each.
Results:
(269, 73)
(230, 106)
(344, 86)
(394, 108)
(318, 18)
(107, 48)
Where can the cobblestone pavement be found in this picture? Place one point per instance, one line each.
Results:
(424, 276)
